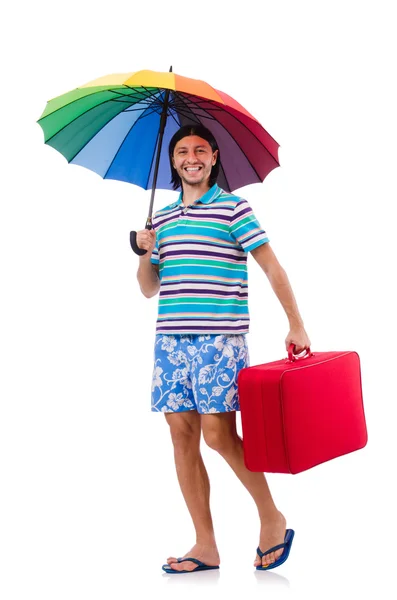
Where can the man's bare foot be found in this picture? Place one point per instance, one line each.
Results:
(207, 554)
(272, 534)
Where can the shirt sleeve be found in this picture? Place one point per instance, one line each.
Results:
(245, 227)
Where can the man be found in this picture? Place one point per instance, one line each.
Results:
(197, 258)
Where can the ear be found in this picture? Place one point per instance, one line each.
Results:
(215, 157)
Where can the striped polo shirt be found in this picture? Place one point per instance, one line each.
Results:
(202, 251)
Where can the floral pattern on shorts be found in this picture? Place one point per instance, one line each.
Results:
(198, 372)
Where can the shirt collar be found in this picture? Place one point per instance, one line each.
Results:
(214, 192)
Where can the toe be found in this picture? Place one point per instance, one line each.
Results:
(172, 559)
(271, 558)
(184, 566)
(268, 559)
(176, 566)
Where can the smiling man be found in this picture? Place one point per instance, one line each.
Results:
(197, 259)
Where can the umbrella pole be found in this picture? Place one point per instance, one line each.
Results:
(163, 120)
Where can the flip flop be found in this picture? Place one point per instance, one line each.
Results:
(201, 566)
(289, 536)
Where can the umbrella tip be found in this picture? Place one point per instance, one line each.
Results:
(170, 69)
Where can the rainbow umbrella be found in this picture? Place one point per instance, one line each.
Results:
(116, 126)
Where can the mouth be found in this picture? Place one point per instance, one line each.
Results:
(192, 169)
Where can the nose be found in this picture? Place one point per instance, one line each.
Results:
(190, 157)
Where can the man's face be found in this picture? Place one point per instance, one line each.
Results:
(193, 159)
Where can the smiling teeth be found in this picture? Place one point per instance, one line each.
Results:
(192, 168)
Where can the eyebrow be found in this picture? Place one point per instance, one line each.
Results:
(185, 147)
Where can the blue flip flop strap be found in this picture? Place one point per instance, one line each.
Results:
(260, 553)
(194, 560)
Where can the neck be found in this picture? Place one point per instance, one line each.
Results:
(191, 193)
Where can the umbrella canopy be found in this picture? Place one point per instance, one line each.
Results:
(112, 126)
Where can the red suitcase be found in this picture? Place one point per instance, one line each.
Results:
(299, 412)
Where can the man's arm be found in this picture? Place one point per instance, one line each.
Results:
(275, 273)
(148, 277)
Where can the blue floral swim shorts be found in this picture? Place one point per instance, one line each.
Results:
(197, 372)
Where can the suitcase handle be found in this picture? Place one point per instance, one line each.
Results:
(293, 357)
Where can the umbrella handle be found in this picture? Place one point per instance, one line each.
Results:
(134, 245)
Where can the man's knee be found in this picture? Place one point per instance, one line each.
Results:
(219, 436)
(184, 428)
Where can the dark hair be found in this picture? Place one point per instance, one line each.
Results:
(202, 132)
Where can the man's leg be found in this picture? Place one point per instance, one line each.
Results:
(219, 431)
(185, 428)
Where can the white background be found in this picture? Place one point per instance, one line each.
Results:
(90, 505)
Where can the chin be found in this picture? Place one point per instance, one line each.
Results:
(193, 182)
